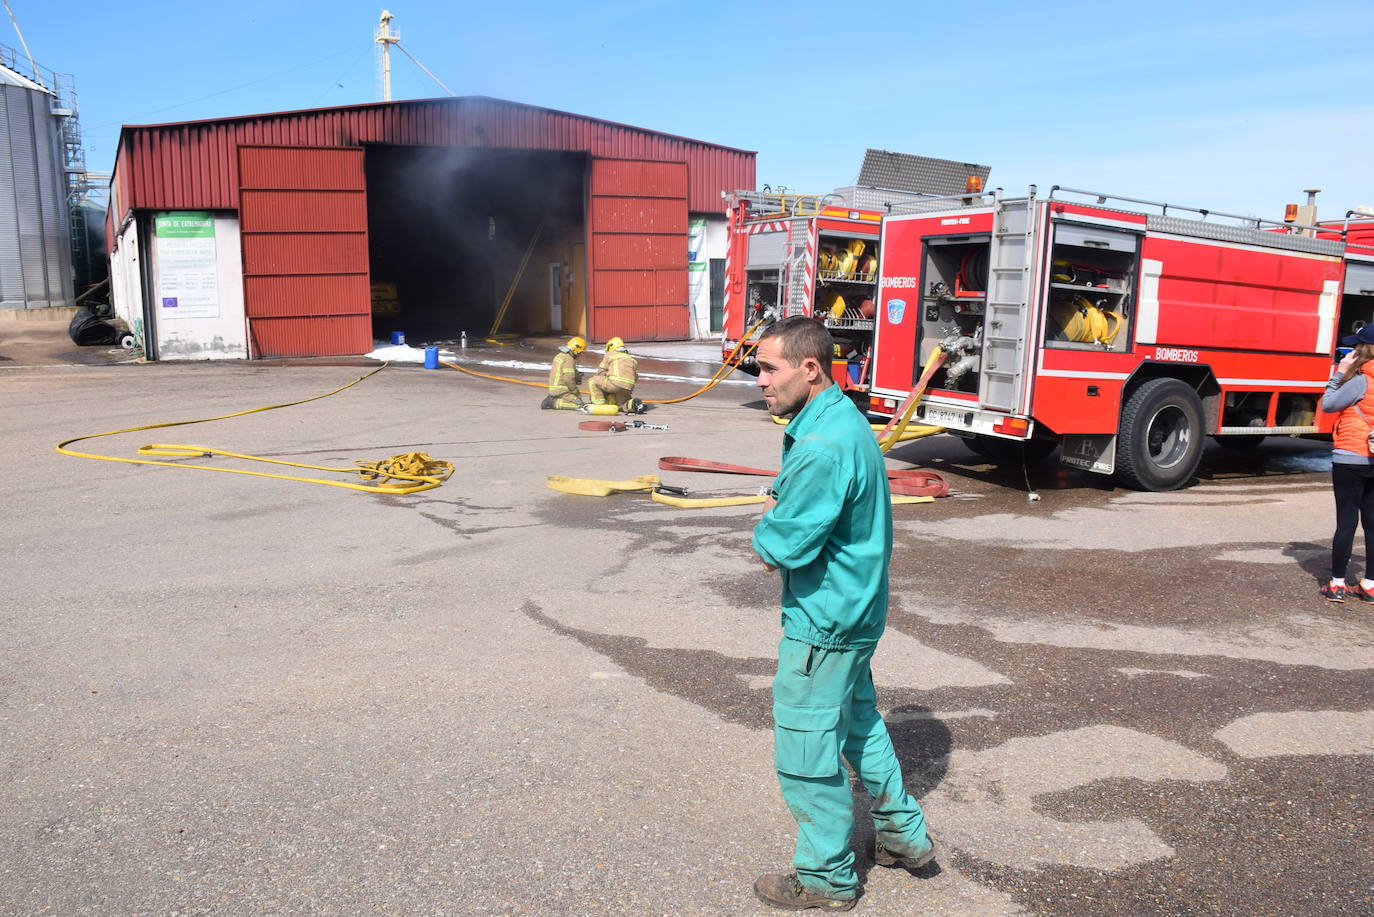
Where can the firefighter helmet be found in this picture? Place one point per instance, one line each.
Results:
(615, 344)
(576, 345)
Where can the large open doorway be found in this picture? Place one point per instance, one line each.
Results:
(448, 228)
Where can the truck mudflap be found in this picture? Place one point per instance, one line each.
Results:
(1095, 452)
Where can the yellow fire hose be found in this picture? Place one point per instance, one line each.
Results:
(407, 473)
(896, 428)
(650, 482)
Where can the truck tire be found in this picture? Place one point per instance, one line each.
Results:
(1160, 438)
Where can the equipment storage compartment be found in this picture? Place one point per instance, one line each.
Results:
(953, 306)
(1092, 274)
(846, 290)
(1357, 298)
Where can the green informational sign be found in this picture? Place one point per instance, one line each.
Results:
(187, 275)
(184, 224)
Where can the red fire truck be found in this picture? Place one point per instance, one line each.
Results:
(803, 254)
(1122, 331)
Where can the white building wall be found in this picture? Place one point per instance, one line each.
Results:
(706, 240)
(126, 279)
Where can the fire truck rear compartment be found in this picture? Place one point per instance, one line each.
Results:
(953, 303)
(1092, 273)
(1357, 303)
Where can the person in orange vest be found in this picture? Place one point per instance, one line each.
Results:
(564, 378)
(614, 382)
(1352, 466)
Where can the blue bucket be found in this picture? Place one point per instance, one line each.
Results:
(398, 337)
(431, 358)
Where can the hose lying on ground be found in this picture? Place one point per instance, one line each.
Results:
(408, 473)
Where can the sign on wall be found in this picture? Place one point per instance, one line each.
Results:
(696, 235)
(186, 279)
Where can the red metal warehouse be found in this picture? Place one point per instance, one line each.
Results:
(315, 232)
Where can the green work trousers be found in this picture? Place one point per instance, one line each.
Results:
(824, 707)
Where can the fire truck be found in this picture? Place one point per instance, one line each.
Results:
(1119, 330)
(803, 254)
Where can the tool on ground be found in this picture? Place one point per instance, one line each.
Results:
(619, 426)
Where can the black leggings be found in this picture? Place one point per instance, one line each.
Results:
(1353, 486)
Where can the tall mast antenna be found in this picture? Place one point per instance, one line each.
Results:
(385, 38)
(33, 67)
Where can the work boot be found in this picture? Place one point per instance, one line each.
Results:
(785, 890)
(884, 857)
(633, 406)
(547, 403)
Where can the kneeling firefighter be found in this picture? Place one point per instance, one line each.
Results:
(612, 388)
(564, 378)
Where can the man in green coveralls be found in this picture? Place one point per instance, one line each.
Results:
(828, 529)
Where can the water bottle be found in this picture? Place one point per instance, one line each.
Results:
(463, 340)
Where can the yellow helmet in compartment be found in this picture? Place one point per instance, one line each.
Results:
(834, 307)
(856, 247)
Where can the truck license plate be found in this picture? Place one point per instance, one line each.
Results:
(944, 418)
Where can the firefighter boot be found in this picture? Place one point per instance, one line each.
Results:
(884, 857)
(785, 890)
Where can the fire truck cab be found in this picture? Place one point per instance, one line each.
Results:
(1122, 331)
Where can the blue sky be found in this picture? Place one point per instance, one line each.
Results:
(1232, 106)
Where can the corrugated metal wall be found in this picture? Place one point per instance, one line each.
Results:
(303, 222)
(304, 215)
(194, 166)
(35, 235)
(637, 221)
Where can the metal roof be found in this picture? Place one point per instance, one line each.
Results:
(193, 164)
(921, 174)
(9, 78)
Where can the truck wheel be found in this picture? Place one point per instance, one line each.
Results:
(1160, 441)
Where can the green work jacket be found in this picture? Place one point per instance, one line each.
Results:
(830, 531)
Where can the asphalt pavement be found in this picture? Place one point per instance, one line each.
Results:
(225, 695)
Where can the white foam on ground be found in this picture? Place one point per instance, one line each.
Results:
(398, 353)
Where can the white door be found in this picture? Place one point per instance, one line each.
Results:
(555, 296)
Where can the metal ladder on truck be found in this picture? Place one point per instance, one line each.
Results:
(1001, 372)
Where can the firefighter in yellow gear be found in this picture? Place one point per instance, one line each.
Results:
(614, 382)
(564, 377)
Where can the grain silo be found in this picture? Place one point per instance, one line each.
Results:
(35, 231)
